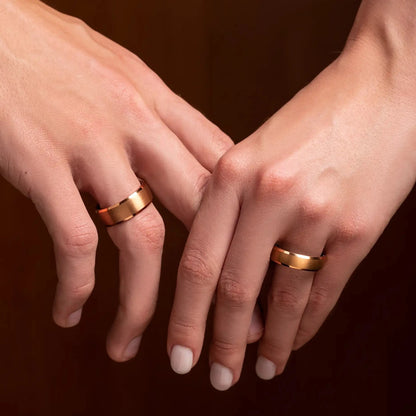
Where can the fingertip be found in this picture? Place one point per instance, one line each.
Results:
(256, 328)
(181, 359)
(221, 377)
(69, 321)
(119, 354)
(254, 336)
(297, 345)
(265, 369)
(74, 318)
(132, 348)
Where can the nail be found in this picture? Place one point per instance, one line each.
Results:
(265, 369)
(181, 359)
(131, 349)
(74, 318)
(221, 377)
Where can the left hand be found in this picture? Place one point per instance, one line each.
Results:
(324, 175)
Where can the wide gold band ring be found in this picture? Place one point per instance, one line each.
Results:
(127, 208)
(297, 261)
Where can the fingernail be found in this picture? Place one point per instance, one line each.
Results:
(74, 318)
(131, 349)
(181, 359)
(265, 369)
(221, 377)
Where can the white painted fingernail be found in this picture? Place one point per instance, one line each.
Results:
(181, 359)
(74, 318)
(265, 368)
(221, 377)
(132, 348)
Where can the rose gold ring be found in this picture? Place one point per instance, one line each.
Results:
(127, 208)
(297, 261)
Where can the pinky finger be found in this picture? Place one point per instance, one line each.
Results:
(326, 289)
(75, 241)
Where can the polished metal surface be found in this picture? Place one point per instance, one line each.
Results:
(297, 261)
(128, 208)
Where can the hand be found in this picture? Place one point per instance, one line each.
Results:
(79, 112)
(324, 175)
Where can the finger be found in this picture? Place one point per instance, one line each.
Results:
(287, 300)
(198, 274)
(75, 241)
(255, 331)
(238, 288)
(203, 139)
(326, 289)
(177, 178)
(139, 240)
(256, 328)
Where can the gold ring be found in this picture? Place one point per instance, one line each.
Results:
(297, 261)
(127, 208)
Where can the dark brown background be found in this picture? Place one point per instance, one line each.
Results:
(237, 61)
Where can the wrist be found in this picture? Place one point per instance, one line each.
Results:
(390, 24)
(383, 38)
(378, 68)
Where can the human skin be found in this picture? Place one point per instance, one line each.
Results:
(80, 113)
(325, 174)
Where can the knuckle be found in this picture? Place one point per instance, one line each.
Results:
(76, 21)
(132, 104)
(79, 291)
(194, 269)
(81, 26)
(234, 292)
(314, 208)
(81, 240)
(318, 299)
(285, 300)
(125, 97)
(353, 230)
(271, 182)
(224, 347)
(149, 232)
(229, 169)
(183, 328)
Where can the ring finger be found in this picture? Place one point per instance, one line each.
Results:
(287, 300)
(140, 242)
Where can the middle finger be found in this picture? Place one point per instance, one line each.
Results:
(239, 285)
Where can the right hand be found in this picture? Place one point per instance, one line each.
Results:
(80, 113)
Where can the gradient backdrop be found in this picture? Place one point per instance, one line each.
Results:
(238, 62)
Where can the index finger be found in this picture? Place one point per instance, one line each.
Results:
(201, 137)
(198, 275)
